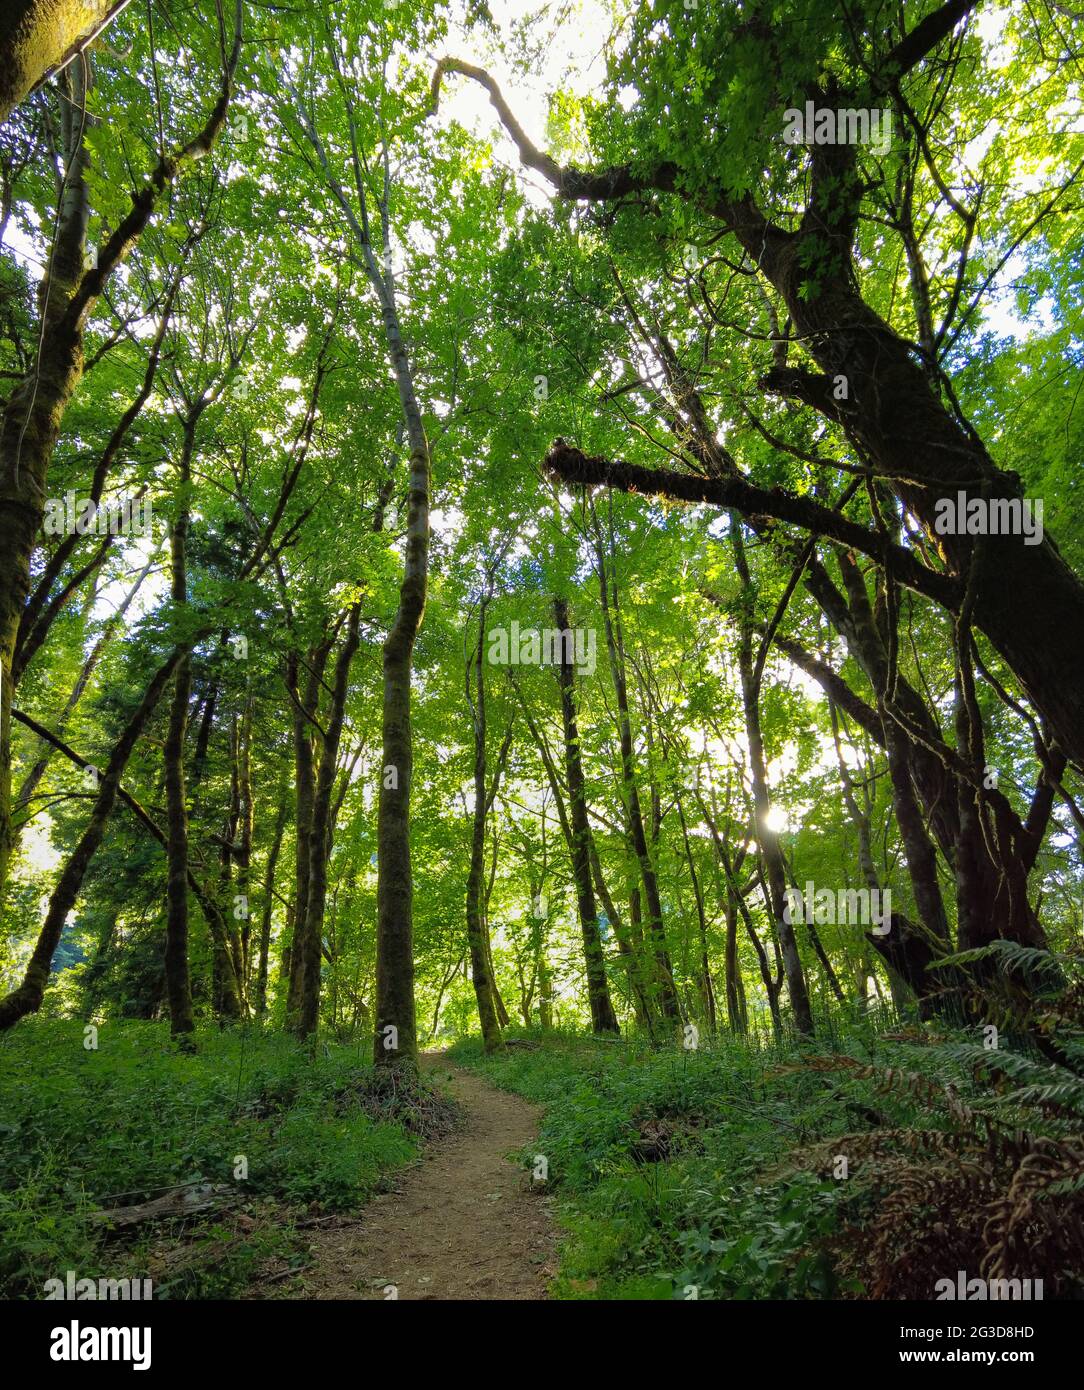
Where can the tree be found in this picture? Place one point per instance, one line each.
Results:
(38, 39)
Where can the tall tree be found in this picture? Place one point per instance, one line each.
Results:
(39, 37)
(34, 411)
(603, 1018)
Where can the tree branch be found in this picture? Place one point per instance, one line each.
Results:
(570, 465)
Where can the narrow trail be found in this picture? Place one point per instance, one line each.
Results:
(462, 1224)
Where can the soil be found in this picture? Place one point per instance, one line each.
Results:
(464, 1223)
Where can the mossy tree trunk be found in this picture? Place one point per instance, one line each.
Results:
(27, 998)
(38, 36)
(477, 931)
(603, 1018)
(32, 417)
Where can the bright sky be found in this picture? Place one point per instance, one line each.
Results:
(574, 61)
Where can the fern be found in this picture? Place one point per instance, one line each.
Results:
(1014, 959)
(986, 1173)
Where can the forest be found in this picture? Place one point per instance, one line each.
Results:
(541, 650)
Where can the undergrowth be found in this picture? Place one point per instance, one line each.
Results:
(872, 1171)
(82, 1130)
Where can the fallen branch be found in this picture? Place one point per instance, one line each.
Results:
(185, 1200)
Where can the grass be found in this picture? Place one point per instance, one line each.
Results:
(708, 1174)
(278, 1123)
(671, 1166)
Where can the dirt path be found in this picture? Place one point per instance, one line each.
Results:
(463, 1224)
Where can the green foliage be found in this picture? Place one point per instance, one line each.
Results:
(333, 1160)
(717, 1174)
(85, 1129)
(526, 318)
(655, 1156)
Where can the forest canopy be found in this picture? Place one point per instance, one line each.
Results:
(542, 520)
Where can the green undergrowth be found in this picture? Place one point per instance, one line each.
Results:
(274, 1126)
(714, 1173)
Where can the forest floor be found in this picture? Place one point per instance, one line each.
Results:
(669, 1173)
(463, 1223)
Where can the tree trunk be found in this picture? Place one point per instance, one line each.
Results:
(545, 990)
(735, 1011)
(303, 704)
(664, 989)
(395, 1037)
(775, 873)
(39, 36)
(27, 998)
(268, 904)
(638, 990)
(244, 843)
(707, 991)
(603, 1018)
(178, 982)
(312, 939)
(476, 926)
